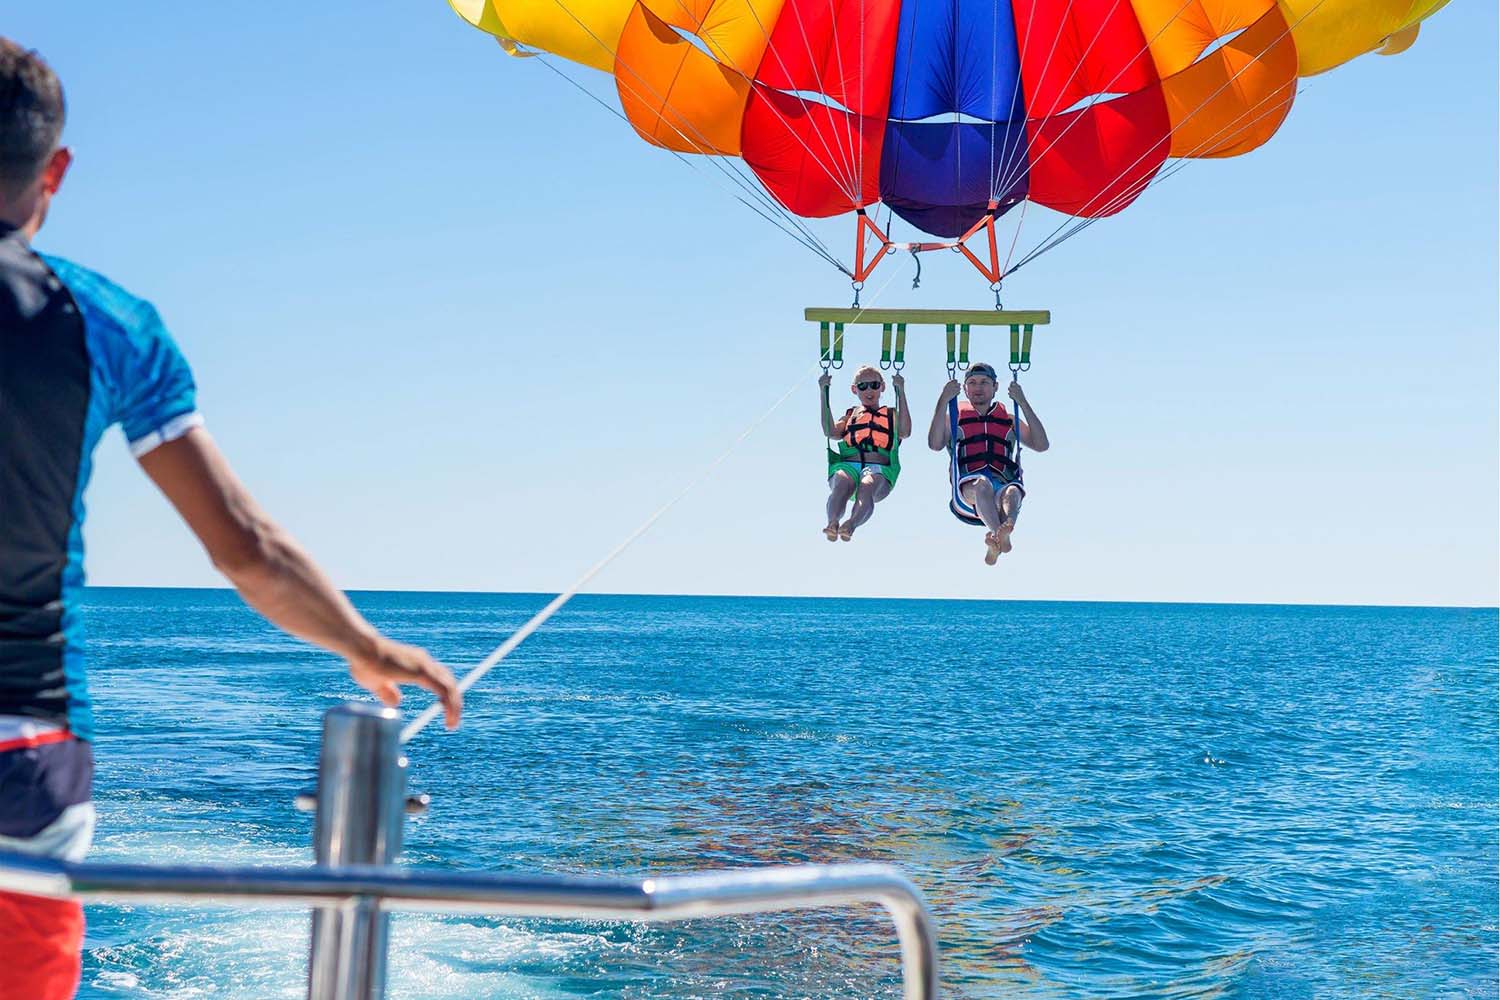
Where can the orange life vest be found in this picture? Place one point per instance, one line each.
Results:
(985, 440)
(868, 430)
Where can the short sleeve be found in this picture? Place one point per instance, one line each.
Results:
(144, 382)
(156, 399)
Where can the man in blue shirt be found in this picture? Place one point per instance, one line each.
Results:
(78, 355)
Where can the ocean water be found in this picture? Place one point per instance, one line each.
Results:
(1099, 800)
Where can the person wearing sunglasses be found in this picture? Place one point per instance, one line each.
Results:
(984, 441)
(867, 460)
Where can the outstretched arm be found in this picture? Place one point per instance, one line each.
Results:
(903, 412)
(937, 431)
(1033, 434)
(277, 578)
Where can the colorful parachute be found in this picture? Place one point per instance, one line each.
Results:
(949, 111)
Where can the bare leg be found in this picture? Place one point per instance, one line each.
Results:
(840, 489)
(873, 487)
(981, 494)
(1010, 509)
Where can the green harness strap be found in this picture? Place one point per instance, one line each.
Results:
(1020, 348)
(831, 348)
(892, 346)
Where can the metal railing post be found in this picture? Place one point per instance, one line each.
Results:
(360, 816)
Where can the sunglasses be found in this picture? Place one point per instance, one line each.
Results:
(864, 386)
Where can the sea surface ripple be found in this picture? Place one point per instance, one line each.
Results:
(1100, 800)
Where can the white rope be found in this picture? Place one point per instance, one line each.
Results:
(553, 606)
(1114, 203)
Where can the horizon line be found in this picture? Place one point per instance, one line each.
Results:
(841, 597)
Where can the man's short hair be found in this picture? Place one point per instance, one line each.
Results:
(31, 116)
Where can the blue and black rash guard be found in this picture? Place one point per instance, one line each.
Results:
(77, 355)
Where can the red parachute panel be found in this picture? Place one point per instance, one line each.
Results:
(1097, 121)
(815, 124)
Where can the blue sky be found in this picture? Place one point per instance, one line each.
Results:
(459, 329)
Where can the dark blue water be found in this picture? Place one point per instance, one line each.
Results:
(1099, 800)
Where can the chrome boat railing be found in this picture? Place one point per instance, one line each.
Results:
(360, 804)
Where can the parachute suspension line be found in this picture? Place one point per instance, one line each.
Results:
(1016, 141)
(701, 142)
(846, 156)
(994, 70)
(1022, 143)
(905, 96)
(1012, 171)
(859, 179)
(1076, 226)
(865, 227)
(1079, 115)
(1183, 162)
(850, 155)
(799, 232)
(1014, 239)
(1050, 242)
(803, 235)
(1015, 167)
(536, 621)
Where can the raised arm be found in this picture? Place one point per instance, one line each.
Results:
(937, 431)
(903, 412)
(278, 578)
(1033, 434)
(831, 428)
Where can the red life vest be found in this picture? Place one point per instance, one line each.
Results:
(985, 440)
(868, 430)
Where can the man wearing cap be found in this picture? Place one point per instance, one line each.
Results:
(986, 470)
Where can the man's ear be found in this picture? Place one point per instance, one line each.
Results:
(56, 169)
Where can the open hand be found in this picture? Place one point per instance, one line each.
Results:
(389, 663)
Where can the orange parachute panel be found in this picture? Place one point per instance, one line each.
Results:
(1178, 32)
(1234, 98)
(675, 95)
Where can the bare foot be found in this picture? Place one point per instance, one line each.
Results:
(991, 549)
(1002, 537)
(832, 531)
(846, 532)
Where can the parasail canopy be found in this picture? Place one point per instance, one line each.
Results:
(952, 112)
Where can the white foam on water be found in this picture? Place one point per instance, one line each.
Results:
(434, 958)
(187, 953)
